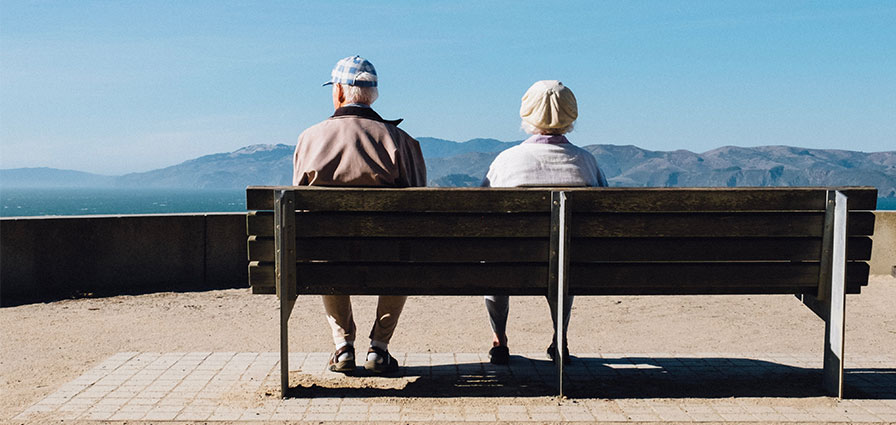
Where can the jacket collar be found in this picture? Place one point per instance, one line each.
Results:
(546, 139)
(363, 113)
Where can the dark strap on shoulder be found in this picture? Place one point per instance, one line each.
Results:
(363, 113)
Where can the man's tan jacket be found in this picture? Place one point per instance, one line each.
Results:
(356, 147)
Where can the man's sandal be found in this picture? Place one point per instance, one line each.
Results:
(344, 366)
(387, 365)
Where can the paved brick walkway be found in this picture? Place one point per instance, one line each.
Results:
(602, 387)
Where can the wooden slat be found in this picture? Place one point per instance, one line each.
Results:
(707, 249)
(713, 199)
(698, 225)
(260, 223)
(410, 279)
(333, 224)
(458, 250)
(764, 224)
(424, 279)
(603, 279)
(425, 250)
(582, 199)
(261, 278)
(759, 278)
(260, 198)
(423, 225)
(262, 249)
(595, 225)
(407, 199)
(860, 224)
(860, 198)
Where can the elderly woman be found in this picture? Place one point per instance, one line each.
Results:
(546, 158)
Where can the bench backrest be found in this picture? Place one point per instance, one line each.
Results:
(628, 241)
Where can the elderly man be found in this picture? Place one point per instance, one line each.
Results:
(356, 147)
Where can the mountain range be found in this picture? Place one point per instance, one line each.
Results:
(451, 163)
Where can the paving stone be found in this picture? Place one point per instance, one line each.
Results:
(160, 415)
(321, 417)
(127, 416)
(609, 417)
(513, 416)
(196, 386)
(384, 417)
(643, 417)
(480, 417)
(737, 417)
(193, 416)
(448, 417)
(353, 408)
(544, 416)
(376, 408)
(94, 415)
(226, 414)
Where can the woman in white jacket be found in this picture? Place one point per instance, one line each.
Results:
(548, 111)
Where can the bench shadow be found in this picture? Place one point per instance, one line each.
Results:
(618, 378)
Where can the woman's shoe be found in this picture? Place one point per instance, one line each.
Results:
(499, 354)
(552, 354)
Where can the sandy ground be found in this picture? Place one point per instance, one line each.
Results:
(43, 346)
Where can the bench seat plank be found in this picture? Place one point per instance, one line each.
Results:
(452, 250)
(413, 279)
(583, 199)
(584, 279)
(332, 224)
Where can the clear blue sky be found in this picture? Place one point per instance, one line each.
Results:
(120, 86)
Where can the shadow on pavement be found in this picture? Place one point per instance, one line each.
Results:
(625, 377)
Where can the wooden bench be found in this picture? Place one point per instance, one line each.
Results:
(811, 242)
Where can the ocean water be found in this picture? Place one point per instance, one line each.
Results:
(886, 203)
(39, 202)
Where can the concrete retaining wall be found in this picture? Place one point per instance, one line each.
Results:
(45, 259)
(883, 250)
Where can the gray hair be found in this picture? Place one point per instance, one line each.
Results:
(355, 94)
(531, 129)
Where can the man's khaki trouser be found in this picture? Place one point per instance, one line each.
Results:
(339, 315)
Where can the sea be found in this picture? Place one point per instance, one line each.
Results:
(56, 202)
(53, 202)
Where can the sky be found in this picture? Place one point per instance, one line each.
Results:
(112, 87)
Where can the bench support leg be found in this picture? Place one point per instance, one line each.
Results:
(285, 269)
(835, 303)
(830, 302)
(559, 267)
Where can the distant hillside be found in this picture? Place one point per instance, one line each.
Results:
(440, 148)
(52, 177)
(760, 166)
(465, 164)
(252, 165)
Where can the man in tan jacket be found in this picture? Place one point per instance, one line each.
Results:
(356, 147)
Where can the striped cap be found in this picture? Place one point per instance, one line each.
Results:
(350, 69)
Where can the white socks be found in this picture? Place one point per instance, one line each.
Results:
(373, 356)
(347, 355)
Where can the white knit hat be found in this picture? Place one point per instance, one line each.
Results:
(548, 104)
